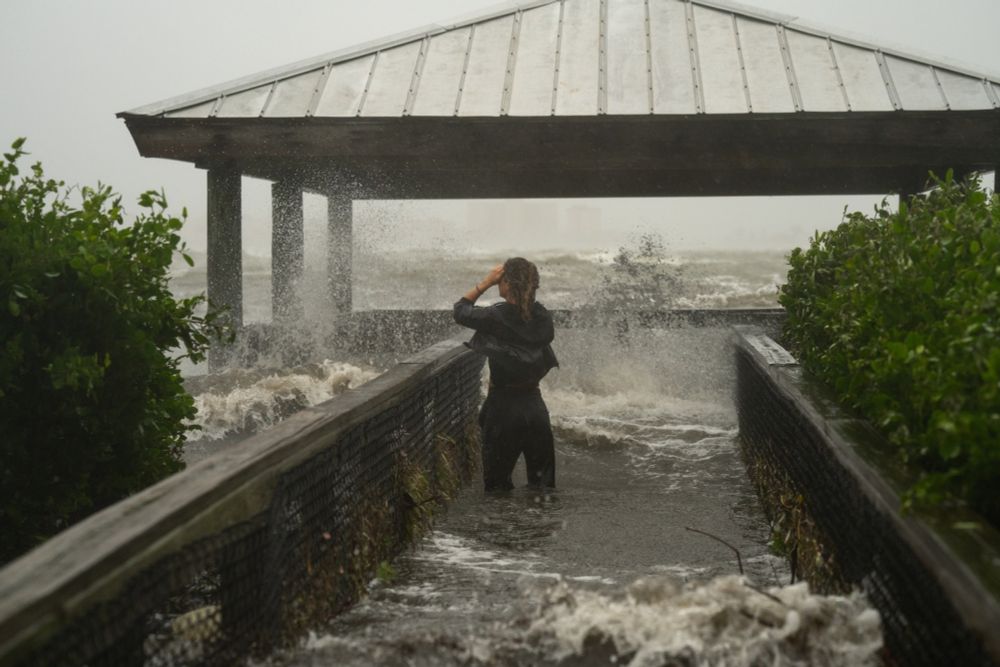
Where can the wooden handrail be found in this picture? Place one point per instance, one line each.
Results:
(90, 561)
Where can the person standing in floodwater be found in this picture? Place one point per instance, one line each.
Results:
(516, 337)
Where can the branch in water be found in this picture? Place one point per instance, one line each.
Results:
(764, 593)
(739, 559)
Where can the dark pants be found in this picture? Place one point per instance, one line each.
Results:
(515, 423)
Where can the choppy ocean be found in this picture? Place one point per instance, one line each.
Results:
(244, 400)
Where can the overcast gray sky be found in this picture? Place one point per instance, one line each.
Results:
(69, 65)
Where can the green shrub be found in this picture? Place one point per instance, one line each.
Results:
(91, 406)
(899, 312)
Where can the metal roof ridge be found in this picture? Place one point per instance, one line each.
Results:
(240, 84)
(846, 37)
(495, 11)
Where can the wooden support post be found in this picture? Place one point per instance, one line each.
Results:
(996, 179)
(338, 266)
(287, 252)
(225, 249)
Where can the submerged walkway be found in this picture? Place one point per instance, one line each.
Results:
(599, 570)
(490, 584)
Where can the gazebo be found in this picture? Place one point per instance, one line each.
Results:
(567, 98)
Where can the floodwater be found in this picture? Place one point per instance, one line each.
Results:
(603, 569)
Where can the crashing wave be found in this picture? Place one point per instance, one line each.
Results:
(243, 402)
(724, 621)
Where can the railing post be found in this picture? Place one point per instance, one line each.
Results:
(225, 250)
(287, 251)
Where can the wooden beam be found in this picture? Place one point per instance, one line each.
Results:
(541, 183)
(224, 249)
(287, 251)
(608, 156)
(705, 142)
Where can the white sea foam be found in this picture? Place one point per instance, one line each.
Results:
(727, 291)
(720, 622)
(653, 421)
(629, 401)
(250, 406)
(655, 620)
(454, 551)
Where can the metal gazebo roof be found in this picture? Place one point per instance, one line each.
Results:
(595, 97)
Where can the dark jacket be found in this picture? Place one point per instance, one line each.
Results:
(519, 352)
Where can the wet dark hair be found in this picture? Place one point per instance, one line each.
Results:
(522, 281)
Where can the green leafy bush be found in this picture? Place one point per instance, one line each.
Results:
(91, 406)
(899, 312)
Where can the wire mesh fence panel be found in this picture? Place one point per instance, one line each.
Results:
(920, 621)
(260, 583)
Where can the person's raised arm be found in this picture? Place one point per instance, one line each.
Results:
(492, 278)
(465, 312)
